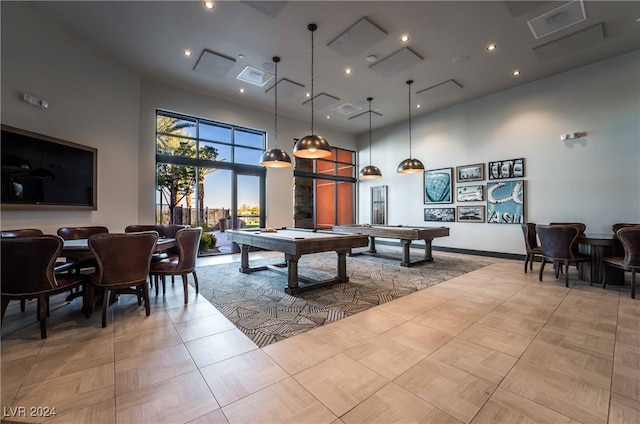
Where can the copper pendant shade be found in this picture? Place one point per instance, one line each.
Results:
(370, 171)
(275, 158)
(312, 146)
(411, 165)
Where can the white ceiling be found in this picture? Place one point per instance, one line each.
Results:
(150, 37)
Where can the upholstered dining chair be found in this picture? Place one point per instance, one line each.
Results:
(123, 266)
(530, 244)
(556, 242)
(629, 236)
(28, 272)
(77, 233)
(184, 263)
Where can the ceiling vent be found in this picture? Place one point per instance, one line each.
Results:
(396, 62)
(254, 76)
(357, 38)
(518, 8)
(557, 19)
(321, 101)
(346, 109)
(444, 88)
(213, 64)
(571, 43)
(271, 8)
(286, 88)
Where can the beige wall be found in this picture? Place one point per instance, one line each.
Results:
(595, 180)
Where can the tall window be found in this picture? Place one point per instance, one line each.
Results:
(201, 172)
(325, 190)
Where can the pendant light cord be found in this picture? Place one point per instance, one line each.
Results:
(409, 84)
(312, 28)
(369, 99)
(275, 133)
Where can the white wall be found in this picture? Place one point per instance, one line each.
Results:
(595, 180)
(155, 95)
(92, 101)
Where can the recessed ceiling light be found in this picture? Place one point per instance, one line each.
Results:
(516, 73)
(307, 94)
(372, 58)
(209, 4)
(187, 52)
(348, 71)
(418, 105)
(328, 116)
(404, 38)
(491, 47)
(240, 56)
(241, 90)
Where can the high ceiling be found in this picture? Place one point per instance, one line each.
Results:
(448, 41)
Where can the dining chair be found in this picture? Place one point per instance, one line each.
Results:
(184, 263)
(530, 244)
(629, 236)
(77, 233)
(556, 242)
(123, 266)
(28, 272)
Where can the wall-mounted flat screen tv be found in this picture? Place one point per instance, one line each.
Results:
(42, 172)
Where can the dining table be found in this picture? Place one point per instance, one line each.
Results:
(599, 245)
(80, 247)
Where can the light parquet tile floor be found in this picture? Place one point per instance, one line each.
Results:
(491, 346)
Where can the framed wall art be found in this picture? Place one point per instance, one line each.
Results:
(438, 186)
(470, 193)
(505, 202)
(470, 173)
(379, 205)
(511, 168)
(471, 213)
(440, 214)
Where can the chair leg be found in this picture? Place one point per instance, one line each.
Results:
(88, 310)
(105, 304)
(42, 315)
(603, 274)
(5, 303)
(184, 286)
(164, 285)
(23, 304)
(195, 278)
(145, 294)
(533, 256)
(526, 262)
(544, 261)
(566, 276)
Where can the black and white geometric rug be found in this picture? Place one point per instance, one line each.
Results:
(257, 304)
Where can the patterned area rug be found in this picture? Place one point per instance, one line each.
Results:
(257, 304)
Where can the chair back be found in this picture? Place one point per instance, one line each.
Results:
(122, 258)
(556, 240)
(581, 226)
(138, 228)
(630, 238)
(25, 232)
(188, 241)
(616, 227)
(530, 238)
(76, 233)
(171, 230)
(28, 262)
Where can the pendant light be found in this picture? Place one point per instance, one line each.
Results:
(411, 165)
(275, 158)
(312, 146)
(370, 171)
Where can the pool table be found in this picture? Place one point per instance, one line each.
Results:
(295, 242)
(405, 234)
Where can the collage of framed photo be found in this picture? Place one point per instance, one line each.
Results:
(503, 201)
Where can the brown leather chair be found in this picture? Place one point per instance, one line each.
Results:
(77, 233)
(187, 240)
(28, 271)
(24, 232)
(556, 242)
(629, 236)
(617, 226)
(123, 266)
(531, 244)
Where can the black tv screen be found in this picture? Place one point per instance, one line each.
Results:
(42, 172)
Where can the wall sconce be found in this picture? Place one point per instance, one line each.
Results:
(34, 101)
(564, 137)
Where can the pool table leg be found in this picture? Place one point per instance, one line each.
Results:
(342, 265)
(427, 250)
(292, 274)
(244, 259)
(406, 252)
(372, 244)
